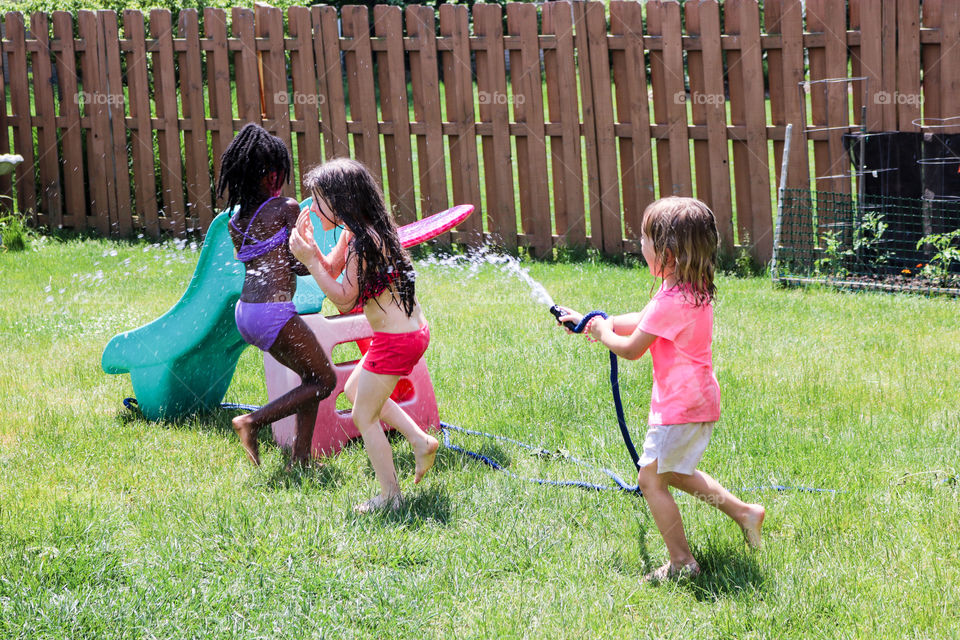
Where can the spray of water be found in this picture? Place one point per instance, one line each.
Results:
(506, 263)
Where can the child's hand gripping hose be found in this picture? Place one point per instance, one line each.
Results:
(614, 377)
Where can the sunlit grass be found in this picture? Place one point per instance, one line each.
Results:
(113, 527)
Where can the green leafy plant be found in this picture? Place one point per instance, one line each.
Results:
(947, 247)
(867, 238)
(15, 234)
(832, 262)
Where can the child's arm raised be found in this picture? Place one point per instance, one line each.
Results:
(630, 346)
(343, 294)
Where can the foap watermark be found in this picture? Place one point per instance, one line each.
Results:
(87, 98)
(885, 97)
(696, 97)
(500, 98)
(297, 98)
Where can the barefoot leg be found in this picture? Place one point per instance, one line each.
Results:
(248, 431)
(703, 486)
(424, 445)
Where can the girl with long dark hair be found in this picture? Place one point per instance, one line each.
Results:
(378, 277)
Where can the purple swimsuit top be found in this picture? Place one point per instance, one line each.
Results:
(258, 248)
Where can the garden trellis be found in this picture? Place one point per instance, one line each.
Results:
(561, 121)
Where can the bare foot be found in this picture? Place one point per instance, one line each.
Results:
(248, 437)
(752, 523)
(379, 502)
(670, 571)
(425, 455)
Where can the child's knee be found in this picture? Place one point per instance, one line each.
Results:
(648, 479)
(324, 383)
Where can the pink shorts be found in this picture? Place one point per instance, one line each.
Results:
(396, 354)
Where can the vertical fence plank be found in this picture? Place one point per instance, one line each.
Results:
(908, 64)
(363, 102)
(95, 109)
(6, 184)
(818, 98)
(497, 155)
(674, 82)
(786, 18)
(856, 62)
(930, 56)
(706, 24)
(275, 98)
(333, 112)
(196, 155)
(50, 196)
(950, 65)
(838, 93)
(871, 57)
(218, 87)
(566, 160)
(526, 80)
(75, 198)
(594, 190)
(761, 235)
(141, 134)
(305, 109)
(388, 22)
(888, 35)
(458, 84)
(247, 70)
(658, 89)
(630, 79)
(426, 105)
(791, 29)
(699, 100)
(121, 221)
(609, 223)
(751, 169)
(25, 180)
(165, 92)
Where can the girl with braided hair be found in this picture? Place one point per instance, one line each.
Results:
(378, 278)
(253, 169)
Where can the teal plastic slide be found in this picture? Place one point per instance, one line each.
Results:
(183, 361)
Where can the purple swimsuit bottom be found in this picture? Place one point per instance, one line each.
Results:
(261, 322)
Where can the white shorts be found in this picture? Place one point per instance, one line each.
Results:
(676, 447)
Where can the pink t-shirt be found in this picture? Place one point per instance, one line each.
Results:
(685, 388)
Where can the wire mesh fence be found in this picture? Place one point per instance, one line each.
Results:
(861, 241)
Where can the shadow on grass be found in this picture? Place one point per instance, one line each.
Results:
(216, 421)
(725, 572)
(316, 474)
(430, 505)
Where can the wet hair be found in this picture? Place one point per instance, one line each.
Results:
(253, 154)
(357, 201)
(688, 230)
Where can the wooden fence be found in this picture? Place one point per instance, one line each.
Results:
(560, 129)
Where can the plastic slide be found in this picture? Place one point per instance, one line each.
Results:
(183, 361)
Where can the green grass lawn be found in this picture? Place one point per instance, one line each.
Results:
(113, 527)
